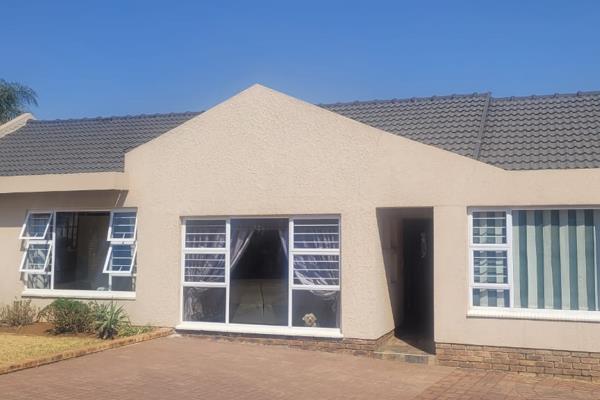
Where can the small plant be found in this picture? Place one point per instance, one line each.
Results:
(109, 319)
(69, 316)
(19, 313)
(131, 330)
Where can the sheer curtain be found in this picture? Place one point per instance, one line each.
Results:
(316, 269)
(240, 239)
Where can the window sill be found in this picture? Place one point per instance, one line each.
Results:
(534, 314)
(78, 294)
(260, 329)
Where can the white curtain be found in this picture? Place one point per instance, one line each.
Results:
(241, 239)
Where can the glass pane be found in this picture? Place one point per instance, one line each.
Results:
(204, 304)
(489, 227)
(121, 258)
(36, 226)
(204, 268)
(36, 257)
(316, 270)
(490, 266)
(316, 308)
(316, 234)
(123, 225)
(37, 281)
(122, 283)
(205, 234)
(491, 297)
(81, 249)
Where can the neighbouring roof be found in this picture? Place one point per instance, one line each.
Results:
(559, 131)
(80, 145)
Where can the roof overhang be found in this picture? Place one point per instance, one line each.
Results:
(63, 182)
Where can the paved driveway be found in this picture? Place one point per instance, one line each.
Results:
(187, 368)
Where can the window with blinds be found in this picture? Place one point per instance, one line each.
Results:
(536, 259)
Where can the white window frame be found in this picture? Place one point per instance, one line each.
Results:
(48, 223)
(491, 247)
(43, 271)
(110, 227)
(107, 262)
(76, 293)
(227, 326)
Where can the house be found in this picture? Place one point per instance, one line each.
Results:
(467, 219)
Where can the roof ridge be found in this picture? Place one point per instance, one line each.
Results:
(484, 113)
(116, 117)
(548, 96)
(408, 99)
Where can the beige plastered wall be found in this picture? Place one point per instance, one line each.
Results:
(262, 153)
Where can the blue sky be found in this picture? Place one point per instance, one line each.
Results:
(91, 58)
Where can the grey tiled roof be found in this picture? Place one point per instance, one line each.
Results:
(559, 131)
(80, 145)
(520, 133)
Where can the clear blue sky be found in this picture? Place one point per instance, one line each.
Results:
(89, 58)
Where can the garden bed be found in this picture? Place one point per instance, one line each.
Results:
(21, 350)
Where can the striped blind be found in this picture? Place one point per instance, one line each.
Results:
(554, 259)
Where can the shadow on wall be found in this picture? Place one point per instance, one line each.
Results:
(14, 206)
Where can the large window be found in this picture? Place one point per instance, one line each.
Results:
(269, 271)
(82, 250)
(535, 259)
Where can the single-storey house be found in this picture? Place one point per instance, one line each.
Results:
(467, 219)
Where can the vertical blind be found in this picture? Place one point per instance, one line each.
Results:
(554, 259)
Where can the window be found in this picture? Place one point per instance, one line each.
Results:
(120, 258)
(205, 257)
(315, 263)
(70, 251)
(279, 272)
(536, 259)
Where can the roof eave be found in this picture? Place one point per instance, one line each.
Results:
(63, 182)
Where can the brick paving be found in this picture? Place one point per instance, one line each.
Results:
(188, 368)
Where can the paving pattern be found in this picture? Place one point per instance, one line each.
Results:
(202, 368)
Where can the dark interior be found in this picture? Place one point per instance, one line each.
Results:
(417, 325)
(81, 248)
(259, 281)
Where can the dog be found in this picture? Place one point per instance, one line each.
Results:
(310, 319)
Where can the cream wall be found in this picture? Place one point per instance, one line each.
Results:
(264, 153)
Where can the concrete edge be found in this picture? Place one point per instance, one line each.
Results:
(112, 344)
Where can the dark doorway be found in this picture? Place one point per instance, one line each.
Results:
(417, 324)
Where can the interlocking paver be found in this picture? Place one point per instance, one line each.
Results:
(189, 367)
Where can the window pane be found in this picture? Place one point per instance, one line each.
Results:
(489, 227)
(37, 281)
(316, 234)
(123, 225)
(122, 283)
(316, 308)
(36, 258)
(555, 263)
(37, 226)
(490, 266)
(204, 268)
(205, 234)
(204, 304)
(121, 259)
(491, 297)
(316, 270)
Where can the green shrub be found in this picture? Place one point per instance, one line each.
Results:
(131, 330)
(19, 313)
(68, 315)
(109, 319)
